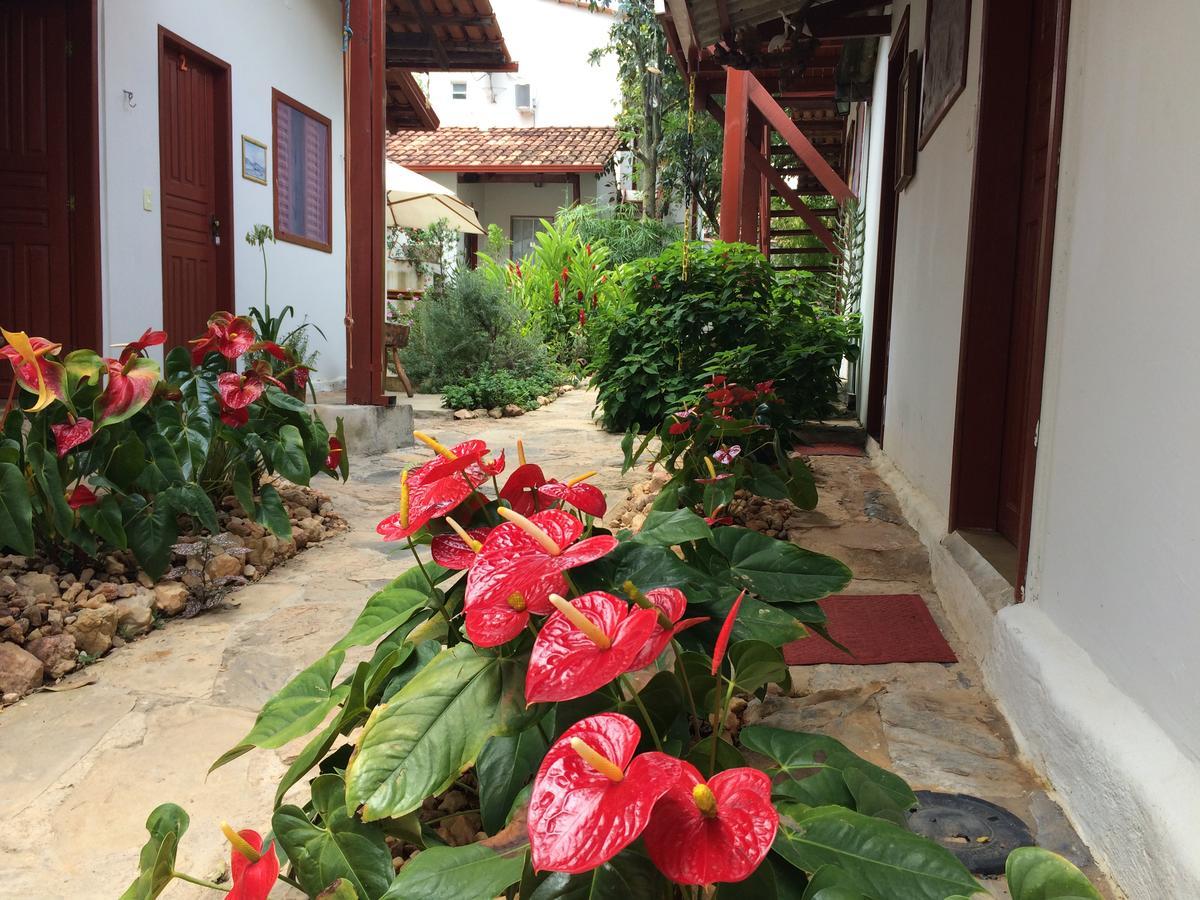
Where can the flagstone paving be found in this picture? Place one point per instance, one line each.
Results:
(83, 765)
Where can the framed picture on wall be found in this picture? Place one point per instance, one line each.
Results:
(947, 34)
(254, 160)
(907, 112)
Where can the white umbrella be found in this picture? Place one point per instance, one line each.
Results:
(414, 201)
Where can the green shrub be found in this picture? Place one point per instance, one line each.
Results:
(655, 348)
(621, 228)
(472, 325)
(489, 388)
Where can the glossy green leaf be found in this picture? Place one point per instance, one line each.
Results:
(344, 459)
(156, 863)
(314, 751)
(339, 846)
(272, 513)
(675, 527)
(282, 400)
(831, 883)
(881, 859)
(104, 518)
(756, 664)
(1037, 874)
(299, 707)
(289, 457)
(388, 609)
(126, 463)
(505, 765)
(813, 760)
(802, 487)
(760, 885)
(777, 570)
(416, 745)
(243, 489)
(44, 467)
(473, 872)
(341, 889)
(152, 531)
(16, 514)
(630, 875)
(190, 499)
(728, 756)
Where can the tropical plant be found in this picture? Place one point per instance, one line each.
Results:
(504, 669)
(112, 452)
(488, 389)
(620, 227)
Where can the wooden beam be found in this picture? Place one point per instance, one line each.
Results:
(517, 177)
(685, 27)
(576, 188)
(758, 162)
(839, 8)
(785, 251)
(733, 166)
(801, 146)
(428, 28)
(447, 19)
(852, 27)
(723, 18)
(792, 232)
(805, 268)
(788, 214)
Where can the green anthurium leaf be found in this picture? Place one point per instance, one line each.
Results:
(760, 885)
(152, 531)
(777, 570)
(668, 498)
(189, 438)
(871, 798)
(83, 364)
(675, 527)
(282, 400)
(386, 610)
(756, 621)
(718, 494)
(473, 872)
(341, 889)
(646, 565)
(790, 882)
(423, 654)
(1037, 874)
(189, 498)
(416, 745)
(161, 468)
(802, 488)
(16, 513)
(728, 756)
(299, 707)
(272, 513)
(815, 758)
(340, 846)
(344, 459)
(156, 863)
(881, 859)
(831, 883)
(104, 518)
(756, 664)
(45, 472)
(243, 489)
(628, 875)
(765, 482)
(126, 463)
(505, 765)
(288, 455)
(314, 751)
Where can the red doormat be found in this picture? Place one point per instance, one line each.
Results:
(876, 629)
(830, 450)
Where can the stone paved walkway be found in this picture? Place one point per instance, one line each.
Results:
(82, 766)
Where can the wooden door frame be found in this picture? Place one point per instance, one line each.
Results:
(83, 168)
(885, 256)
(223, 169)
(990, 274)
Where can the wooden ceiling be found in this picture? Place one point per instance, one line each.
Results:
(445, 36)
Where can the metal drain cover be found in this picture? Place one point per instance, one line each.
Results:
(980, 834)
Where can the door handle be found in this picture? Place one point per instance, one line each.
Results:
(215, 226)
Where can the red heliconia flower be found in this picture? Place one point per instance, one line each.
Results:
(227, 334)
(588, 248)
(335, 453)
(726, 630)
(459, 549)
(235, 418)
(82, 496)
(557, 294)
(595, 300)
(518, 270)
(592, 797)
(584, 497)
(669, 603)
(149, 338)
(719, 831)
(69, 435)
(521, 490)
(587, 643)
(565, 275)
(254, 872)
(582, 315)
(520, 565)
(603, 279)
(579, 296)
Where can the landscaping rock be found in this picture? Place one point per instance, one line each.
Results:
(134, 615)
(170, 597)
(512, 410)
(94, 629)
(38, 586)
(8, 586)
(463, 414)
(58, 654)
(480, 413)
(495, 413)
(20, 671)
(223, 565)
(543, 401)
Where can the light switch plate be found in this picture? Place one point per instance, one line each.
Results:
(147, 200)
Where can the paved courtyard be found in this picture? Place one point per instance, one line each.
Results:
(83, 764)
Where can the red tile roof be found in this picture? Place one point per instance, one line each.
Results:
(505, 149)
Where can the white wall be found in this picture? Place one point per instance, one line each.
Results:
(293, 45)
(550, 42)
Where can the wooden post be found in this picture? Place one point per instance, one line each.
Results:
(733, 168)
(365, 71)
(764, 202)
(751, 189)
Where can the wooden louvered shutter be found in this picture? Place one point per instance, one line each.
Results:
(303, 176)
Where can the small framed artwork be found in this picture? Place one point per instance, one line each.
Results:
(254, 160)
(947, 35)
(907, 112)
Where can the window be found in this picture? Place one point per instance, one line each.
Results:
(524, 229)
(303, 174)
(458, 90)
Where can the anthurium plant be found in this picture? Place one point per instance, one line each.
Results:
(578, 686)
(100, 454)
(726, 439)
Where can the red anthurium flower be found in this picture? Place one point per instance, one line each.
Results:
(335, 453)
(300, 375)
(585, 497)
(726, 455)
(486, 466)
(592, 798)
(130, 387)
(280, 353)
(82, 496)
(587, 643)
(239, 390)
(669, 604)
(149, 338)
(718, 520)
(254, 872)
(33, 371)
(458, 550)
(722, 396)
(521, 490)
(741, 394)
(227, 334)
(69, 435)
(703, 833)
(430, 491)
(520, 565)
(765, 387)
(713, 475)
(680, 427)
(717, 381)
(726, 629)
(235, 418)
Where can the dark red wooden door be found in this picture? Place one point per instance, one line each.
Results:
(1018, 448)
(193, 216)
(35, 259)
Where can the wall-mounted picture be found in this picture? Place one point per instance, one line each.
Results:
(907, 112)
(254, 160)
(947, 33)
